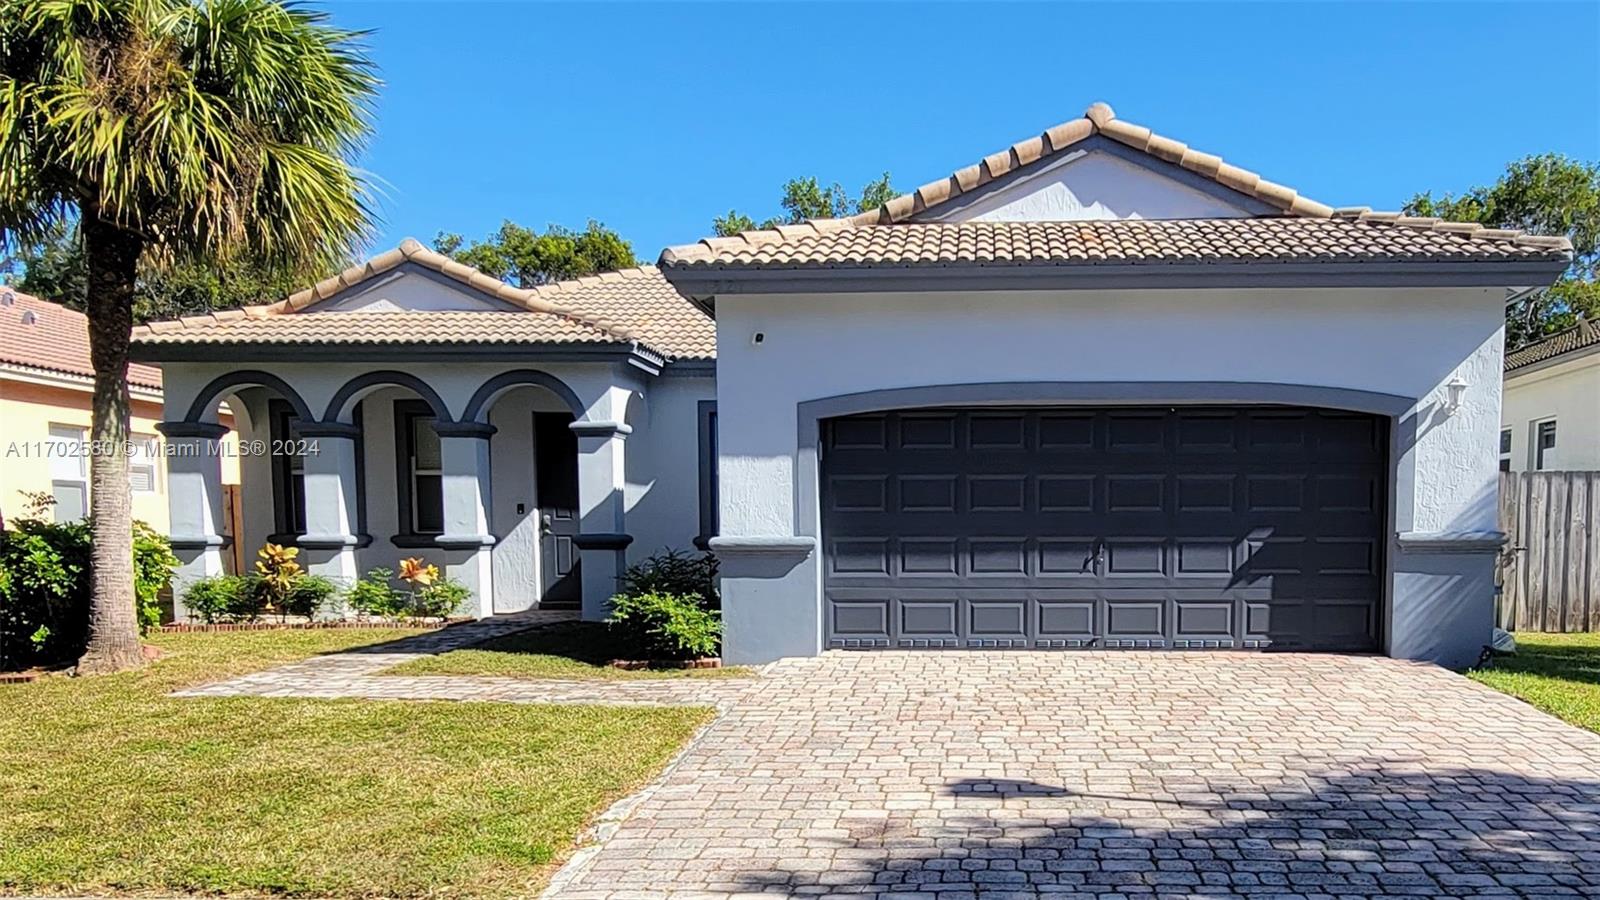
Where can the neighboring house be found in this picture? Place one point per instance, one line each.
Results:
(1550, 417)
(46, 382)
(1096, 390)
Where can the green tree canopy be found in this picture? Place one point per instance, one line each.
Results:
(170, 131)
(55, 269)
(808, 198)
(1548, 194)
(527, 258)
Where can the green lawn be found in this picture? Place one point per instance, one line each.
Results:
(569, 650)
(1558, 673)
(108, 785)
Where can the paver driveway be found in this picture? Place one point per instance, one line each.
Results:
(955, 775)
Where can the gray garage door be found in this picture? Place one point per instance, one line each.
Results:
(1117, 528)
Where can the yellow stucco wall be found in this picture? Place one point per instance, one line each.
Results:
(27, 410)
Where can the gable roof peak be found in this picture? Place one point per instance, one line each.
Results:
(1099, 112)
(1098, 119)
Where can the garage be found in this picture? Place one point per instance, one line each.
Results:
(1116, 528)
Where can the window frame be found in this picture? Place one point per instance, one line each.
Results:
(710, 487)
(145, 456)
(78, 461)
(1537, 446)
(288, 472)
(406, 414)
(1505, 449)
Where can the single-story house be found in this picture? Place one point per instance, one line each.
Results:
(1550, 417)
(46, 384)
(1096, 390)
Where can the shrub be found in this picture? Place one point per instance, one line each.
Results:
(675, 572)
(307, 596)
(153, 566)
(374, 595)
(429, 594)
(440, 599)
(665, 626)
(44, 588)
(215, 598)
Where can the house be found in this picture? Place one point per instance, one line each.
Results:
(46, 383)
(1550, 417)
(1097, 389)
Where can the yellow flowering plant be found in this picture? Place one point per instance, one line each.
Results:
(432, 594)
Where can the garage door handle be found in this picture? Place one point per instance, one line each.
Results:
(1096, 556)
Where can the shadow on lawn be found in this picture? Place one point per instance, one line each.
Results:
(1569, 662)
(1379, 827)
(480, 634)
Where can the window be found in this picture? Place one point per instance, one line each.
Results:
(1544, 444)
(1505, 449)
(708, 471)
(288, 471)
(69, 473)
(142, 468)
(421, 491)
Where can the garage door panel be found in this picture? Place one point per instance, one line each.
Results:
(1200, 528)
(1139, 620)
(928, 620)
(998, 621)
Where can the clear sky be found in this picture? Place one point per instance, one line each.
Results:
(655, 117)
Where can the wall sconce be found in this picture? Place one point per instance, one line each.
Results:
(1455, 389)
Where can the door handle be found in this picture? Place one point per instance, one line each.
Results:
(1097, 555)
(544, 524)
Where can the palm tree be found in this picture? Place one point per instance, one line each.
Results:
(171, 130)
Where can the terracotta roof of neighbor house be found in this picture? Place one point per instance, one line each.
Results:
(632, 306)
(1585, 334)
(50, 337)
(884, 235)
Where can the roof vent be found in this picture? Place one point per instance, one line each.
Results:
(30, 318)
(7, 298)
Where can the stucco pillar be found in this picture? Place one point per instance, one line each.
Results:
(332, 518)
(604, 539)
(464, 459)
(194, 501)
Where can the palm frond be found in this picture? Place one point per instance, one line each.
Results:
(208, 127)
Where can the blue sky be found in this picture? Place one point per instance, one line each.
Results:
(655, 117)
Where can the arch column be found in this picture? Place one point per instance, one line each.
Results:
(602, 485)
(194, 503)
(464, 460)
(332, 515)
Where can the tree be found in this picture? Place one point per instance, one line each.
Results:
(171, 131)
(55, 269)
(527, 258)
(1548, 194)
(807, 198)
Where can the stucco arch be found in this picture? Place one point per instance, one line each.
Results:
(207, 398)
(484, 397)
(353, 390)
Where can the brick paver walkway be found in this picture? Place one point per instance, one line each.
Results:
(354, 673)
(963, 775)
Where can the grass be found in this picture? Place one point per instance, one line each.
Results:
(108, 785)
(570, 650)
(1558, 673)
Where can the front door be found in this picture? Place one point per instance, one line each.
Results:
(556, 465)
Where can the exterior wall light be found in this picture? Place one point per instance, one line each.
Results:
(1455, 389)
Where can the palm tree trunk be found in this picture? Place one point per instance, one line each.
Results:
(112, 257)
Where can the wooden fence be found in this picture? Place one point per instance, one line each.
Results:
(1549, 573)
